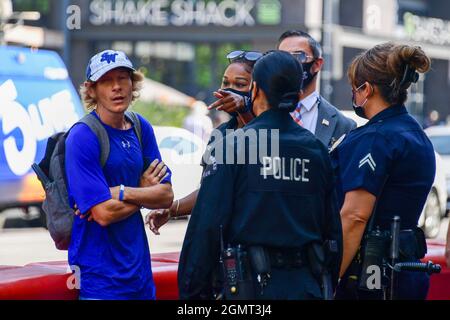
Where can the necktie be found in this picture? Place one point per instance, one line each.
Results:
(297, 116)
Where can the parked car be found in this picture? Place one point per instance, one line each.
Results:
(181, 151)
(440, 137)
(436, 205)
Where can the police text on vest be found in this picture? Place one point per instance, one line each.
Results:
(289, 169)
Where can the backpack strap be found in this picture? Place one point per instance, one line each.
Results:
(102, 135)
(134, 118)
(94, 124)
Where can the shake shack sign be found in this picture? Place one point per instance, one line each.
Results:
(226, 13)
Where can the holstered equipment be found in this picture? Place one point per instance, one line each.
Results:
(320, 257)
(238, 282)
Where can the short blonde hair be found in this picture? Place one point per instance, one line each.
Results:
(137, 80)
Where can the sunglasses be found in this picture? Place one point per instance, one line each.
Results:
(301, 56)
(241, 54)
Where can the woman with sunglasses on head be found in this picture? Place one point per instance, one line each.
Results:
(273, 207)
(234, 102)
(236, 80)
(384, 169)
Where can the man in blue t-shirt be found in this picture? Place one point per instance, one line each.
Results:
(109, 243)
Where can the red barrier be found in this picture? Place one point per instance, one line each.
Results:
(48, 281)
(439, 283)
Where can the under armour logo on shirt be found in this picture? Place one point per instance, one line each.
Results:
(368, 160)
(126, 144)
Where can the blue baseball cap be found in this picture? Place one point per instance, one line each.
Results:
(106, 61)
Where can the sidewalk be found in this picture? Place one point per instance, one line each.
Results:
(22, 246)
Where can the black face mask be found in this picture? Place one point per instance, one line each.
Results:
(245, 94)
(359, 109)
(308, 77)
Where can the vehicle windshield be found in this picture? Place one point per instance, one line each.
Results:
(179, 144)
(441, 144)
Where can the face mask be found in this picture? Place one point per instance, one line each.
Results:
(245, 94)
(307, 75)
(359, 109)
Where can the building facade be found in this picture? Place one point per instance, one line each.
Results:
(183, 43)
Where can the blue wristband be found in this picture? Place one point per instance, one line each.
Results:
(121, 192)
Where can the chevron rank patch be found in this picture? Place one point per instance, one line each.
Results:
(368, 160)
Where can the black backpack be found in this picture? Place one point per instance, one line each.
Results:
(51, 173)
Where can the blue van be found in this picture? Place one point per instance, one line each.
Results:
(37, 99)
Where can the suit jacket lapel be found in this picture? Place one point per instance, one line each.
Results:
(326, 123)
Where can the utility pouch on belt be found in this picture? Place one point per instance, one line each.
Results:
(316, 258)
(373, 251)
(259, 260)
(412, 244)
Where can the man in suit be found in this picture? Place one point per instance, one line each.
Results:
(313, 112)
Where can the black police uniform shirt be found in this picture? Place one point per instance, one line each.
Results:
(220, 131)
(283, 201)
(393, 159)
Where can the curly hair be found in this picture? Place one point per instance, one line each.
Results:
(137, 80)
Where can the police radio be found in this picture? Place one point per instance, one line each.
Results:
(238, 284)
(373, 253)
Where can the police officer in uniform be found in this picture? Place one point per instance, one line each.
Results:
(385, 168)
(237, 79)
(281, 203)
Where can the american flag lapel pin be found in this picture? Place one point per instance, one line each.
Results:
(325, 122)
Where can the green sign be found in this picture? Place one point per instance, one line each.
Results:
(408, 21)
(269, 12)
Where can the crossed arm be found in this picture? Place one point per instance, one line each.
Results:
(150, 194)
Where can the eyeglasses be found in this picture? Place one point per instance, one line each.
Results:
(301, 56)
(247, 55)
(354, 91)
